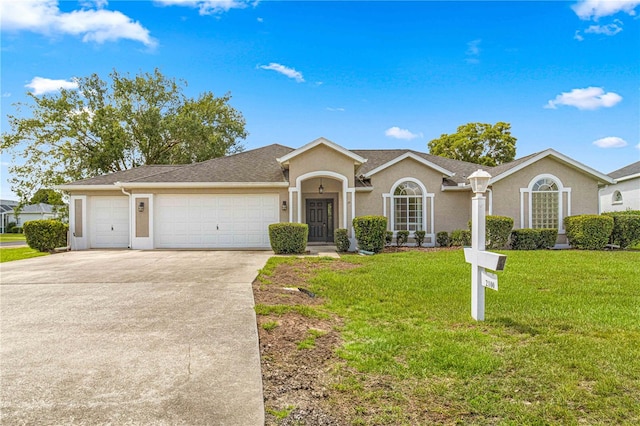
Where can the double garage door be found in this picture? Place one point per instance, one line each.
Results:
(190, 221)
(214, 221)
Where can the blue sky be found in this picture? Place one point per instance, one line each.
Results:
(566, 75)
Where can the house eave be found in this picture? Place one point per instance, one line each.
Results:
(172, 185)
(411, 155)
(284, 160)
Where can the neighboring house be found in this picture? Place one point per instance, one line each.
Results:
(6, 207)
(31, 212)
(625, 193)
(229, 202)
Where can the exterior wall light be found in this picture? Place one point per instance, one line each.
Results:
(321, 188)
(141, 206)
(479, 181)
(284, 205)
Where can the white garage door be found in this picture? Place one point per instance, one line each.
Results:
(215, 221)
(109, 222)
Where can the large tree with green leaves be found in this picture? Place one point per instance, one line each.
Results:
(478, 143)
(109, 126)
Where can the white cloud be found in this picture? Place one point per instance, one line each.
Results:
(209, 7)
(6, 95)
(398, 133)
(638, 146)
(41, 85)
(260, 19)
(289, 72)
(578, 36)
(609, 29)
(45, 17)
(339, 109)
(589, 98)
(595, 9)
(610, 142)
(473, 51)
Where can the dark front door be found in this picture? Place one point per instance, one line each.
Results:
(320, 219)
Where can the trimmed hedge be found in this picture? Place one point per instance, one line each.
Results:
(402, 237)
(442, 238)
(341, 237)
(45, 235)
(388, 238)
(525, 239)
(460, 237)
(370, 232)
(547, 237)
(588, 231)
(419, 236)
(288, 238)
(626, 228)
(498, 229)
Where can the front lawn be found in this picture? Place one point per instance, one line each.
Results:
(8, 254)
(560, 344)
(11, 237)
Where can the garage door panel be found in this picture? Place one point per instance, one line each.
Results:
(109, 217)
(215, 221)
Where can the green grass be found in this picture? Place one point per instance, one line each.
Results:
(310, 341)
(305, 311)
(270, 325)
(8, 254)
(281, 414)
(11, 237)
(560, 344)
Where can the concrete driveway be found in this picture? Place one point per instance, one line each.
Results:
(130, 337)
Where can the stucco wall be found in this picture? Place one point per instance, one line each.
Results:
(630, 190)
(323, 158)
(452, 210)
(584, 190)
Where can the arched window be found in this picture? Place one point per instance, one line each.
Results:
(545, 204)
(617, 197)
(407, 207)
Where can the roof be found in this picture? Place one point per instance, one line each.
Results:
(267, 166)
(627, 172)
(7, 205)
(40, 208)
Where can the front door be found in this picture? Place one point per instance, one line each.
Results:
(320, 219)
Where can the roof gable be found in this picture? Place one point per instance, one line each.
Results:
(321, 141)
(505, 170)
(404, 156)
(628, 172)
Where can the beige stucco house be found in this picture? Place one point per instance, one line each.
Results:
(229, 202)
(625, 194)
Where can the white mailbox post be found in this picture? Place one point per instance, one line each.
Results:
(476, 255)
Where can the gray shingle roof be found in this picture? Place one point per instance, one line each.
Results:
(261, 165)
(37, 208)
(127, 175)
(631, 169)
(256, 165)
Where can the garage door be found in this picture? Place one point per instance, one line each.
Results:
(215, 221)
(109, 222)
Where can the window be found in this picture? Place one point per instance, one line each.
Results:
(545, 204)
(407, 207)
(617, 197)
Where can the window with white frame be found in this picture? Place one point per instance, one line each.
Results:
(407, 207)
(545, 204)
(617, 197)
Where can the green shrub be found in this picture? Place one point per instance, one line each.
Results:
(588, 231)
(460, 237)
(370, 232)
(10, 229)
(341, 237)
(626, 228)
(419, 236)
(525, 239)
(547, 237)
(402, 237)
(388, 238)
(287, 238)
(442, 238)
(498, 229)
(45, 235)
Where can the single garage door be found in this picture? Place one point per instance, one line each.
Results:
(109, 217)
(214, 221)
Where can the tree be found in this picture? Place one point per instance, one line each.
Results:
(106, 127)
(478, 143)
(47, 196)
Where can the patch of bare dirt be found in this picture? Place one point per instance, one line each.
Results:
(296, 380)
